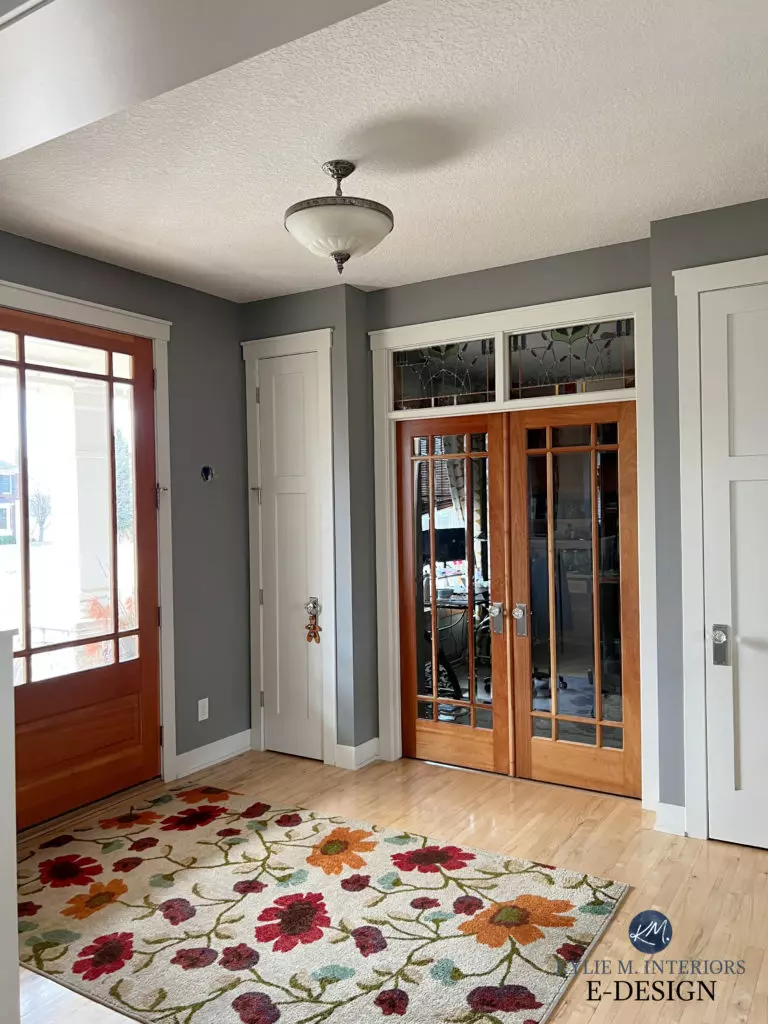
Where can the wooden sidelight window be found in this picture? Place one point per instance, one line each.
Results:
(78, 557)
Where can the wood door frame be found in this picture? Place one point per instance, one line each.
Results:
(81, 313)
(605, 760)
(634, 303)
(497, 484)
(690, 284)
(308, 342)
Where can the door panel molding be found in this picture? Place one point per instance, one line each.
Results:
(690, 285)
(318, 342)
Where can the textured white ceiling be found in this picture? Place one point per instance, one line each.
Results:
(497, 130)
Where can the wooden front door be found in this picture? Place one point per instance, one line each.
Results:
(451, 524)
(573, 487)
(79, 559)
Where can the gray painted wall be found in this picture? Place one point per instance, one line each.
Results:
(611, 268)
(343, 309)
(716, 236)
(210, 530)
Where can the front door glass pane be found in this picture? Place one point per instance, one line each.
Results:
(70, 509)
(11, 537)
(125, 500)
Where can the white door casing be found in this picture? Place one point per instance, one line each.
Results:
(723, 353)
(734, 367)
(291, 525)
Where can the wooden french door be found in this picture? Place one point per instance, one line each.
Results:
(78, 556)
(519, 619)
(573, 484)
(455, 698)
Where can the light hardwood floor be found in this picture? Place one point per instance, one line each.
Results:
(715, 894)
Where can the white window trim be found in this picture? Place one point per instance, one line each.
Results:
(635, 304)
(690, 284)
(319, 342)
(6, 531)
(61, 307)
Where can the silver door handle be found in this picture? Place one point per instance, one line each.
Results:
(721, 647)
(520, 615)
(496, 612)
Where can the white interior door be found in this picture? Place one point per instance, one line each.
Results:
(734, 368)
(291, 565)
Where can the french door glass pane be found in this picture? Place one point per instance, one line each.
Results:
(482, 582)
(423, 580)
(609, 583)
(574, 610)
(450, 490)
(128, 647)
(11, 526)
(67, 357)
(8, 345)
(122, 365)
(541, 696)
(70, 510)
(125, 497)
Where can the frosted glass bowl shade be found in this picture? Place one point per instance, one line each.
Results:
(339, 224)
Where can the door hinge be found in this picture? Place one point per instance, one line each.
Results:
(261, 699)
(161, 735)
(154, 379)
(159, 617)
(261, 596)
(257, 492)
(258, 395)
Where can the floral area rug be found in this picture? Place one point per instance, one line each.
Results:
(204, 907)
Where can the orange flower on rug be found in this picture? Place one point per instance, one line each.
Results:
(205, 907)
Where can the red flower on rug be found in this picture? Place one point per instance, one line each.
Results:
(177, 911)
(288, 820)
(69, 870)
(507, 998)
(249, 887)
(193, 817)
(130, 819)
(193, 959)
(225, 833)
(238, 958)
(211, 794)
(392, 1001)
(369, 940)
(29, 909)
(299, 918)
(105, 955)
(424, 903)
(145, 843)
(431, 859)
(255, 811)
(256, 1008)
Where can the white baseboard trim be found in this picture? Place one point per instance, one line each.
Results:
(212, 753)
(357, 757)
(670, 818)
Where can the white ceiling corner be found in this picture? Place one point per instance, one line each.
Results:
(496, 130)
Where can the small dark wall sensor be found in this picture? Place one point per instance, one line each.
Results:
(207, 474)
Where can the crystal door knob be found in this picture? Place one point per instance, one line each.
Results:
(518, 612)
(719, 636)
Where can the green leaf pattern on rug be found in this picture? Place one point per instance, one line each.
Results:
(287, 915)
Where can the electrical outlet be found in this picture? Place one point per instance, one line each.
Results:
(202, 710)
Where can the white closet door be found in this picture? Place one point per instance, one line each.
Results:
(291, 541)
(734, 369)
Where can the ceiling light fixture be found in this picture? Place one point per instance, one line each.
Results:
(339, 226)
